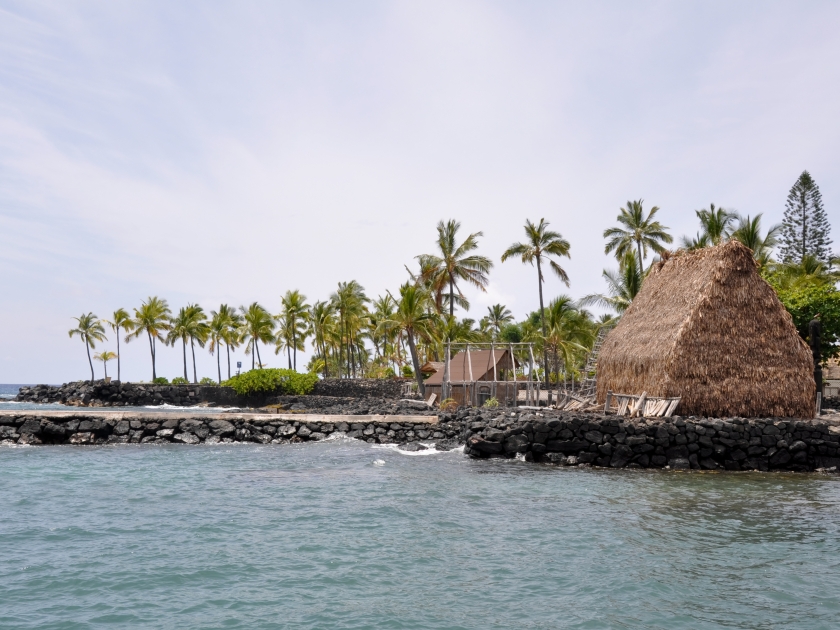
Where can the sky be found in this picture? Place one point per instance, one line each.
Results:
(217, 152)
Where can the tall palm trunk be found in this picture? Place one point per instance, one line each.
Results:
(253, 353)
(259, 358)
(416, 361)
(227, 347)
(451, 296)
(105, 367)
(118, 353)
(294, 349)
(192, 348)
(219, 363)
(542, 315)
(289, 356)
(87, 347)
(152, 350)
(639, 248)
(184, 346)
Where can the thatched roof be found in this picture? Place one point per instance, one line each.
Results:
(705, 326)
(482, 366)
(430, 367)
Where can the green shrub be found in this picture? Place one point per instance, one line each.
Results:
(271, 381)
(179, 380)
(206, 381)
(407, 371)
(805, 302)
(161, 380)
(491, 403)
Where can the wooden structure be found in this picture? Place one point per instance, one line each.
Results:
(477, 372)
(707, 328)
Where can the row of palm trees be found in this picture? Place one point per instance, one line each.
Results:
(353, 335)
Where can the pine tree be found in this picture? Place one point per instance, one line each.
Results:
(805, 229)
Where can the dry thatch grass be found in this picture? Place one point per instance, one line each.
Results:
(705, 326)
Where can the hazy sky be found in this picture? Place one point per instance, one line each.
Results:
(226, 152)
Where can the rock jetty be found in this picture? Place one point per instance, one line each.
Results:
(677, 443)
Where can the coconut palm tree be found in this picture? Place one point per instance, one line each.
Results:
(179, 328)
(639, 230)
(295, 317)
(569, 333)
(90, 329)
(349, 302)
(383, 309)
(232, 330)
(498, 316)
(809, 271)
(257, 325)
(714, 228)
(120, 320)
(413, 318)
(324, 330)
(540, 245)
(217, 332)
(748, 232)
(198, 331)
(452, 263)
(151, 318)
(622, 285)
(105, 356)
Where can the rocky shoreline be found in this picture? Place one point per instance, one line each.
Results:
(110, 427)
(677, 443)
(546, 436)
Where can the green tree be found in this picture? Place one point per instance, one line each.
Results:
(295, 324)
(350, 303)
(105, 356)
(325, 331)
(179, 329)
(217, 332)
(498, 316)
(805, 227)
(452, 263)
(413, 318)
(570, 333)
(804, 302)
(540, 245)
(638, 230)
(120, 320)
(151, 318)
(257, 325)
(198, 331)
(622, 286)
(714, 227)
(748, 233)
(232, 335)
(90, 330)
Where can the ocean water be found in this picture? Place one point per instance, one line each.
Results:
(342, 534)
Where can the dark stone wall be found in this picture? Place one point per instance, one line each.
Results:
(195, 428)
(359, 387)
(681, 443)
(117, 394)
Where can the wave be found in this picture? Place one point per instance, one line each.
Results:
(430, 449)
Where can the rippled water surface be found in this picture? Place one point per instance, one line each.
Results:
(346, 535)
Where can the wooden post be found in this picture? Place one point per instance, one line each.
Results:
(513, 373)
(535, 392)
(493, 359)
(446, 388)
(607, 403)
(472, 381)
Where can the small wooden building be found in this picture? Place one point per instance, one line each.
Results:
(475, 376)
(707, 328)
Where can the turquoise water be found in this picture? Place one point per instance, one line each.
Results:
(347, 535)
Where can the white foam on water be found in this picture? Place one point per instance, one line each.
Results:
(430, 449)
(378, 462)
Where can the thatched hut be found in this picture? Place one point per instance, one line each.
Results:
(705, 326)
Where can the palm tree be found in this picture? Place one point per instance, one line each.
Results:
(179, 328)
(638, 229)
(498, 316)
(105, 356)
(714, 228)
(349, 302)
(622, 286)
(413, 318)
(257, 325)
(809, 271)
(198, 330)
(324, 329)
(231, 331)
(217, 332)
(120, 320)
(748, 232)
(540, 245)
(90, 329)
(151, 318)
(453, 264)
(569, 333)
(295, 316)
(383, 309)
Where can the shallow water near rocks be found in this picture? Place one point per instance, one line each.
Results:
(340, 534)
